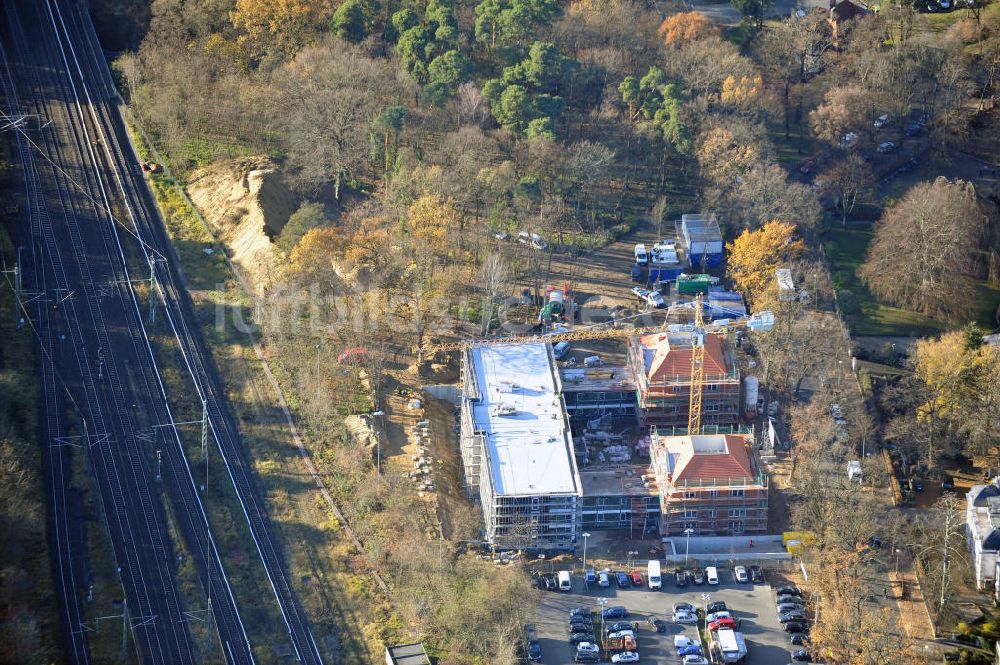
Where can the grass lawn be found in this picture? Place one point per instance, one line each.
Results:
(845, 250)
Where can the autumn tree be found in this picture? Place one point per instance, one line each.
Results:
(755, 255)
(961, 394)
(279, 28)
(847, 181)
(683, 28)
(924, 247)
(432, 220)
(765, 193)
(838, 113)
(309, 216)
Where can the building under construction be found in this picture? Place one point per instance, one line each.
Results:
(712, 484)
(517, 450)
(661, 370)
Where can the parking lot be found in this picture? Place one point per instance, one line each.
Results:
(752, 604)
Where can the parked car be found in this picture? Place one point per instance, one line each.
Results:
(712, 575)
(681, 641)
(620, 625)
(807, 166)
(559, 351)
(641, 256)
(802, 656)
(792, 615)
(717, 615)
(918, 485)
(650, 297)
(587, 657)
(625, 657)
(740, 573)
(798, 639)
(886, 146)
(788, 590)
(788, 607)
(588, 647)
(849, 140)
(580, 612)
(636, 578)
(621, 633)
(914, 129)
(603, 579)
(622, 579)
(685, 617)
(690, 650)
(882, 121)
(756, 574)
(795, 627)
(501, 235)
(659, 625)
(725, 622)
(789, 598)
(695, 660)
(581, 627)
(581, 638)
(681, 578)
(684, 607)
(716, 606)
(549, 580)
(616, 612)
(698, 577)
(947, 484)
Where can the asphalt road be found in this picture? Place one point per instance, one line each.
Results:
(97, 363)
(753, 604)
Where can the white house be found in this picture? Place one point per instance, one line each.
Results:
(982, 530)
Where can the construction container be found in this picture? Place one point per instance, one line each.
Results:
(692, 284)
(702, 240)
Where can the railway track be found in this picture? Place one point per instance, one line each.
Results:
(110, 217)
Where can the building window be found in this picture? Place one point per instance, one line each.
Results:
(738, 512)
(713, 492)
(690, 514)
(736, 526)
(711, 387)
(690, 495)
(738, 492)
(711, 513)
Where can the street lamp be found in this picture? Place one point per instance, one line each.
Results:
(585, 536)
(897, 550)
(603, 602)
(687, 545)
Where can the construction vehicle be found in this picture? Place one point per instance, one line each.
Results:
(557, 307)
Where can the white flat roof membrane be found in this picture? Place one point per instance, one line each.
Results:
(521, 413)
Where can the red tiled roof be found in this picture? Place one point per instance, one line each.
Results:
(672, 361)
(732, 461)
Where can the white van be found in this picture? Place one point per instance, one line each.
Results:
(712, 575)
(653, 575)
(560, 350)
(641, 257)
(565, 581)
(592, 361)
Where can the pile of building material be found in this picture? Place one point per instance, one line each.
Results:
(617, 454)
(423, 460)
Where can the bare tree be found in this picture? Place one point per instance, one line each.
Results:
(847, 181)
(494, 280)
(924, 248)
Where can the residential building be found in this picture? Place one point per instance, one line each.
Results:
(407, 654)
(982, 531)
(713, 484)
(661, 369)
(517, 450)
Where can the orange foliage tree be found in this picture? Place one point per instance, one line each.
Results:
(681, 29)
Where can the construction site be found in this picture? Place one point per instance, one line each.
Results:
(651, 437)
